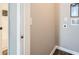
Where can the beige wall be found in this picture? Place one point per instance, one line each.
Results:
(4, 23)
(43, 28)
(57, 23)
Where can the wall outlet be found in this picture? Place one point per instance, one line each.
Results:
(65, 25)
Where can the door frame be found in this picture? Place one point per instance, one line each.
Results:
(26, 19)
(15, 15)
(27, 23)
(23, 45)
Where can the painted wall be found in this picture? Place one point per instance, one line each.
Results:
(4, 24)
(69, 37)
(43, 28)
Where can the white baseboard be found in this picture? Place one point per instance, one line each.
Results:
(64, 49)
(52, 52)
(67, 50)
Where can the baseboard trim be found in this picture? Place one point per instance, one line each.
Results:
(52, 52)
(63, 49)
(67, 50)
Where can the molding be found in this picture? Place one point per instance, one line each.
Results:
(64, 49)
(18, 29)
(52, 52)
(27, 28)
(67, 50)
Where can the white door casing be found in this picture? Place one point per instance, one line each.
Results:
(25, 28)
(20, 21)
(18, 28)
(27, 23)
